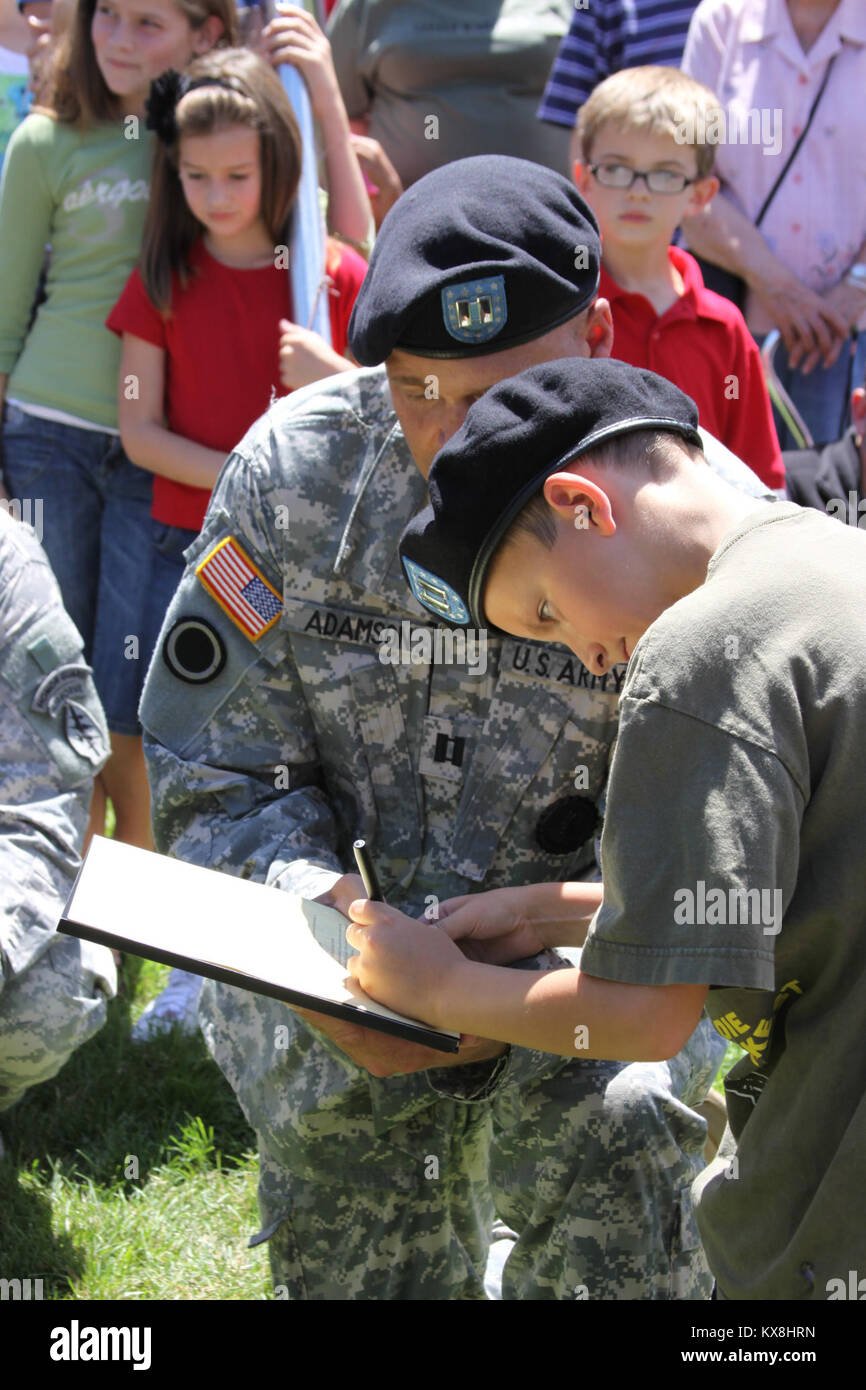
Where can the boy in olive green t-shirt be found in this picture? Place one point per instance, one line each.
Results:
(732, 858)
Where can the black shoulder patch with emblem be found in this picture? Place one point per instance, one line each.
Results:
(194, 651)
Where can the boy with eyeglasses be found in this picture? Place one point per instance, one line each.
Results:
(645, 136)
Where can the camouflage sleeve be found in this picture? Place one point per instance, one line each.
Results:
(54, 740)
(228, 736)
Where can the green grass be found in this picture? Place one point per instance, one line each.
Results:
(132, 1174)
(733, 1054)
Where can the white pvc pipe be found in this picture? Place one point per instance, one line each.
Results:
(307, 240)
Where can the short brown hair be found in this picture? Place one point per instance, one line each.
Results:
(648, 450)
(252, 96)
(75, 91)
(663, 101)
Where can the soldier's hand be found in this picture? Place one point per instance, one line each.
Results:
(494, 927)
(508, 924)
(381, 1055)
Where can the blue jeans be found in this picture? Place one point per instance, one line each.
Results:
(94, 509)
(822, 397)
(168, 543)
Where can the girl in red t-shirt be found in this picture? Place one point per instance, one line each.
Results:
(208, 340)
(206, 320)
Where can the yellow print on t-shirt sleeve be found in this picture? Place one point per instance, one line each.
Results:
(754, 1039)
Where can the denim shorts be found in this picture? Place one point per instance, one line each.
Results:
(91, 510)
(169, 543)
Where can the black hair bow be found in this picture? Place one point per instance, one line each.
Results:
(165, 92)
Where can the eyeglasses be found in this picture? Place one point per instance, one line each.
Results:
(656, 180)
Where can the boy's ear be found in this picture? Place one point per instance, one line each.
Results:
(580, 501)
(574, 146)
(702, 194)
(582, 176)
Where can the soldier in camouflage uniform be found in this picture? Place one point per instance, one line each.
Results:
(279, 725)
(53, 989)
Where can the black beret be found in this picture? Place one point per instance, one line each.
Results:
(478, 256)
(515, 436)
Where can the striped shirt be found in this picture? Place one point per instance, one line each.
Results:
(609, 35)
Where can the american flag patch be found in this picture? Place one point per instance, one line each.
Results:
(239, 588)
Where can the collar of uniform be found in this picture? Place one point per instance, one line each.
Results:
(390, 491)
(339, 440)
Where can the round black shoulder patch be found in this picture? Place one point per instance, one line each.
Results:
(566, 825)
(194, 651)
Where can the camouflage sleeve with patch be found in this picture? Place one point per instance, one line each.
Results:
(54, 740)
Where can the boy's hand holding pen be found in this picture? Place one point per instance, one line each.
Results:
(402, 963)
(423, 969)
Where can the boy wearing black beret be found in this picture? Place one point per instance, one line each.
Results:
(575, 504)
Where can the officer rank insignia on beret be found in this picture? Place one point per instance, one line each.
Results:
(476, 310)
(239, 588)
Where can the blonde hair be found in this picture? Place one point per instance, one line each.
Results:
(251, 96)
(75, 91)
(662, 101)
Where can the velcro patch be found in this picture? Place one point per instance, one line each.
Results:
(239, 588)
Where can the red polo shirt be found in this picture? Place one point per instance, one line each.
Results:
(701, 344)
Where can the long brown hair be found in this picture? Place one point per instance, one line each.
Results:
(76, 92)
(251, 96)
